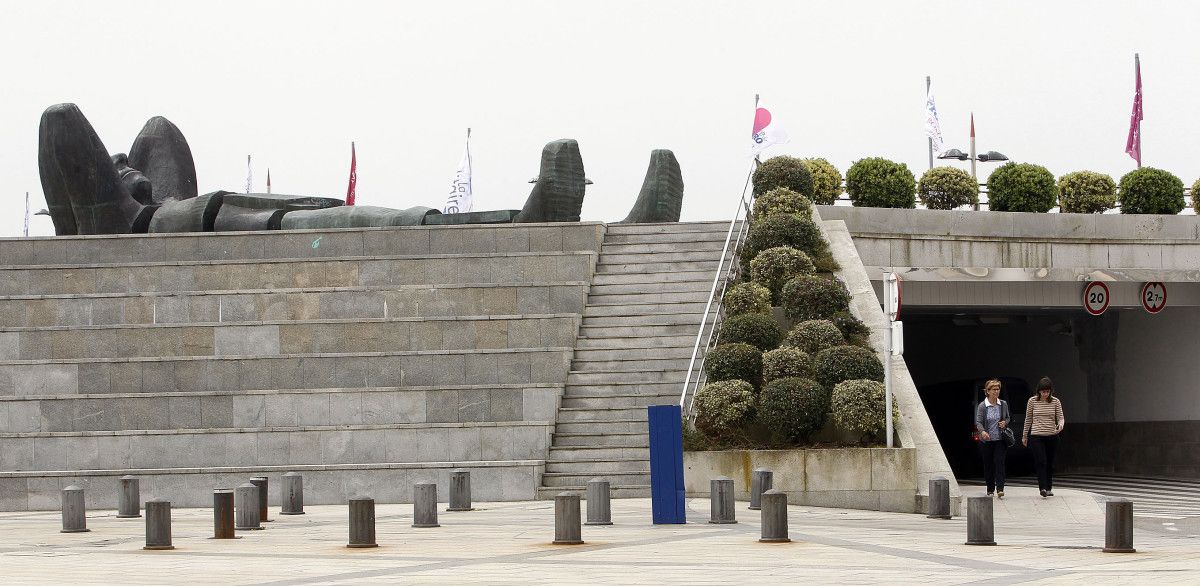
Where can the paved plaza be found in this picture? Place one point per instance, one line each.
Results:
(1051, 541)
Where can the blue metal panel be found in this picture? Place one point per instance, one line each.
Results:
(666, 464)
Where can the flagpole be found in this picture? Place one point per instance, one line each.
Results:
(974, 177)
(757, 161)
(27, 214)
(1137, 72)
(929, 138)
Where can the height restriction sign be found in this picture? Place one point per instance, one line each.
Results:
(1095, 297)
(1154, 297)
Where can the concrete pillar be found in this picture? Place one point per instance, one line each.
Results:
(774, 517)
(980, 529)
(292, 494)
(460, 491)
(261, 482)
(720, 501)
(425, 505)
(939, 498)
(129, 498)
(246, 497)
(1118, 526)
(74, 512)
(362, 522)
(158, 524)
(760, 481)
(567, 528)
(223, 514)
(599, 504)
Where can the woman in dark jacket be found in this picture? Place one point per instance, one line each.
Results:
(991, 420)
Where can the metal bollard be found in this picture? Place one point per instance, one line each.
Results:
(939, 498)
(425, 505)
(362, 522)
(760, 481)
(980, 529)
(720, 497)
(599, 502)
(261, 482)
(1118, 526)
(460, 491)
(292, 494)
(567, 528)
(774, 517)
(74, 512)
(223, 514)
(129, 498)
(158, 524)
(246, 497)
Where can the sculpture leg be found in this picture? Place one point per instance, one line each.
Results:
(558, 194)
(661, 197)
(162, 153)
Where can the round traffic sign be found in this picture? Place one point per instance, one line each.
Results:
(1095, 297)
(1154, 296)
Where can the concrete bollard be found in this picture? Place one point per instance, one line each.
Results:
(1118, 526)
(362, 522)
(292, 494)
(980, 529)
(760, 481)
(158, 524)
(599, 502)
(567, 528)
(774, 517)
(939, 498)
(223, 514)
(246, 499)
(425, 505)
(129, 498)
(74, 512)
(460, 491)
(720, 498)
(262, 483)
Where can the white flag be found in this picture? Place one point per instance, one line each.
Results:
(933, 128)
(767, 131)
(460, 199)
(249, 175)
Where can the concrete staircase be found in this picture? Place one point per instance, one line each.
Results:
(643, 310)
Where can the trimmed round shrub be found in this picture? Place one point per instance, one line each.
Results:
(724, 407)
(774, 267)
(783, 171)
(755, 329)
(834, 365)
(945, 188)
(746, 298)
(857, 406)
(1086, 192)
(814, 297)
(827, 181)
(734, 362)
(782, 230)
(793, 408)
(1196, 196)
(815, 335)
(853, 329)
(786, 362)
(1021, 187)
(782, 200)
(879, 183)
(1151, 191)
(823, 262)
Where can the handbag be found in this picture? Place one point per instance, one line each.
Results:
(1006, 434)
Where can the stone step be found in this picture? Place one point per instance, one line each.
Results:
(669, 227)
(608, 377)
(634, 439)
(607, 389)
(660, 246)
(716, 238)
(594, 453)
(632, 342)
(286, 337)
(579, 480)
(574, 414)
(706, 265)
(660, 307)
(682, 253)
(703, 286)
(608, 333)
(621, 401)
(631, 364)
(649, 319)
(600, 466)
(632, 353)
(616, 491)
(663, 276)
(619, 299)
(609, 426)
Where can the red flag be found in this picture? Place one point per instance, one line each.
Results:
(353, 177)
(1133, 143)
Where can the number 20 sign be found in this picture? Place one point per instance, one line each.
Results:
(1095, 297)
(1154, 297)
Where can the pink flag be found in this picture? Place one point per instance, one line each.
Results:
(353, 177)
(1133, 143)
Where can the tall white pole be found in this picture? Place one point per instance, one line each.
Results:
(930, 138)
(888, 307)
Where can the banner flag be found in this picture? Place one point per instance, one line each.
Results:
(767, 131)
(249, 175)
(1133, 142)
(461, 198)
(933, 127)
(353, 176)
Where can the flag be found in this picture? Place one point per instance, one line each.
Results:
(1133, 142)
(27, 214)
(461, 197)
(933, 128)
(767, 131)
(353, 176)
(268, 180)
(249, 175)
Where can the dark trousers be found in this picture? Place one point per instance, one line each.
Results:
(994, 453)
(1044, 448)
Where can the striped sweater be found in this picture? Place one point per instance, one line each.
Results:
(1042, 418)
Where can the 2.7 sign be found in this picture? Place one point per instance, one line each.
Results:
(1154, 297)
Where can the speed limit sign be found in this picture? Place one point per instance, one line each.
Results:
(1154, 297)
(1095, 297)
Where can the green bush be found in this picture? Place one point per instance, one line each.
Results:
(755, 329)
(1151, 191)
(782, 230)
(815, 335)
(734, 362)
(879, 183)
(793, 408)
(945, 188)
(814, 297)
(724, 407)
(774, 267)
(781, 201)
(857, 407)
(1021, 187)
(747, 298)
(827, 181)
(1086, 192)
(834, 365)
(786, 362)
(853, 329)
(823, 262)
(783, 171)
(1196, 196)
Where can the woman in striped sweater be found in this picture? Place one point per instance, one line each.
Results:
(1043, 422)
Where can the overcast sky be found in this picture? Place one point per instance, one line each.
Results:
(293, 83)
